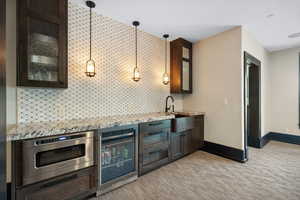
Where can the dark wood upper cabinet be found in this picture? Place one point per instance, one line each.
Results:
(42, 43)
(181, 66)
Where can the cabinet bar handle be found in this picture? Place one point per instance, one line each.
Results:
(155, 124)
(56, 182)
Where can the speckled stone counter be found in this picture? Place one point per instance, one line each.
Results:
(189, 113)
(44, 129)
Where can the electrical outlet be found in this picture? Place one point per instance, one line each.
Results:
(226, 101)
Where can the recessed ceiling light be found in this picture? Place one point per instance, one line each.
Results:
(294, 35)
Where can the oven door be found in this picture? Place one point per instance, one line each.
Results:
(47, 158)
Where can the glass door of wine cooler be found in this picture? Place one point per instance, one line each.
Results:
(117, 156)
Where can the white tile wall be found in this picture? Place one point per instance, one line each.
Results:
(111, 92)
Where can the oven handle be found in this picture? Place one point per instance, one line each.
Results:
(117, 136)
(58, 145)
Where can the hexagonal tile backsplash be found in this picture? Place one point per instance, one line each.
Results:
(112, 91)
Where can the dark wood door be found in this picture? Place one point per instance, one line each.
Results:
(187, 142)
(2, 103)
(77, 185)
(198, 133)
(42, 43)
(253, 129)
(177, 145)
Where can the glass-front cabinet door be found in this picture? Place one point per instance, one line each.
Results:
(181, 76)
(186, 70)
(42, 43)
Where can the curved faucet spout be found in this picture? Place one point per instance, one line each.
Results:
(167, 108)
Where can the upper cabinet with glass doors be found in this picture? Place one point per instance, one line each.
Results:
(181, 66)
(42, 43)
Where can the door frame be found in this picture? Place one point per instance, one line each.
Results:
(299, 91)
(255, 61)
(3, 187)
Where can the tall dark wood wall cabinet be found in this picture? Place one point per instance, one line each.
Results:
(42, 43)
(181, 71)
(3, 194)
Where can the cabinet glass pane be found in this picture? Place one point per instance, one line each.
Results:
(47, 7)
(185, 76)
(155, 156)
(117, 159)
(43, 51)
(185, 53)
(156, 138)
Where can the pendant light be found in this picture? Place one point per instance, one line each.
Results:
(90, 64)
(165, 77)
(136, 73)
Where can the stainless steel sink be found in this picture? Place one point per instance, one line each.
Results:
(182, 122)
(178, 114)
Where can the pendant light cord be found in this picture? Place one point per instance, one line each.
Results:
(166, 56)
(136, 53)
(90, 33)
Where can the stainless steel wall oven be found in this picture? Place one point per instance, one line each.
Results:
(118, 157)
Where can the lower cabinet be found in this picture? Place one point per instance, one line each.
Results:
(187, 136)
(177, 145)
(198, 133)
(187, 141)
(73, 186)
(181, 144)
(154, 145)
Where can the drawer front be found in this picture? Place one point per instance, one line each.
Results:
(150, 127)
(183, 124)
(72, 186)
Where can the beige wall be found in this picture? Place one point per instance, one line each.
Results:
(284, 75)
(253, 47)
(10, 73)
(217, 87)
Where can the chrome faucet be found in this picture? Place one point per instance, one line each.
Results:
(168, 108)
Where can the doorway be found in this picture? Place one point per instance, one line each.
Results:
(252, 99)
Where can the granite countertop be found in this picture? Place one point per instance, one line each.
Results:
(43, 129)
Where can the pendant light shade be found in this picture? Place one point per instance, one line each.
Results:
(136, 73)
(90, 64)
(166, 79)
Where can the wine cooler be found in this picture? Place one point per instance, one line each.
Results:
(118, 157)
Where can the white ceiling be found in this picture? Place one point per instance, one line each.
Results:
(199, 19)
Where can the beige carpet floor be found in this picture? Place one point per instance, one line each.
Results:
(272, 173)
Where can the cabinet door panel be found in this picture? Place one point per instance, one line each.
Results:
(181, 66)
(188, 147)
(177, 145)
(185, 76)
(46, 7)
(42, 43)
(198, 133)
(65, 187)
(43, 51)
